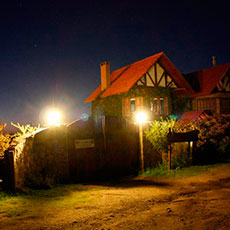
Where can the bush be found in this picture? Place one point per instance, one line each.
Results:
(4, 140)
(214, 138)
(152, 157)
(26, 130)
(213, 145)
(157, 133)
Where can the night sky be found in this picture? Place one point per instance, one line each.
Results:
(50, 51)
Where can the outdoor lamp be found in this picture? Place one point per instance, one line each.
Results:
(53, 118)
(141, 118)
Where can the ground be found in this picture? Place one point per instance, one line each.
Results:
(198, 202)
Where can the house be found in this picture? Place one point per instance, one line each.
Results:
(212, 89)
(155, 85)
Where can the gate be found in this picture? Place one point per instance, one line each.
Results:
(107, 147)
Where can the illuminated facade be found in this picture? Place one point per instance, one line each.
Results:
(155, 85)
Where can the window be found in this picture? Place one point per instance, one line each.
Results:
(162, 106)
(130, 105)
(155, 106)
(133, 105)
(207, 104)
(159, 105)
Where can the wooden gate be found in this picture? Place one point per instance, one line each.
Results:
(103, 148)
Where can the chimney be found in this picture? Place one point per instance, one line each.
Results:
(105, 75)
(214, 60)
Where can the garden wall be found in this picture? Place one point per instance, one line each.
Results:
(83, 150)
(41, 159)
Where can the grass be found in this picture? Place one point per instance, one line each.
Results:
(40, 203)
(162, 171)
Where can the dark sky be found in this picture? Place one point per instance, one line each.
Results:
(50, 51)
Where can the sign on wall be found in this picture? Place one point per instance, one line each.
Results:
(84, 143)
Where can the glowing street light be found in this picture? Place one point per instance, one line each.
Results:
(141, 118)
(53, 118)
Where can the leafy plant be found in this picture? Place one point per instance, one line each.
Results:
(4, 140)
(157, 133)
(26, 130)
(213, 144)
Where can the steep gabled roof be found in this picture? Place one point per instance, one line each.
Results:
(122, 80)
(204, 81)
(131, 75)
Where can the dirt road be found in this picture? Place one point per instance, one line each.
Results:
(191, 203)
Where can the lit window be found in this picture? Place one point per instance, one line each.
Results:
(159, 105)
(155, 106)
(133, 105)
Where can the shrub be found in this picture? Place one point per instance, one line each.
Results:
(181, 156)
(214, 138)
(26, 130)
(157, 133)
(4, 140)
(213, 144)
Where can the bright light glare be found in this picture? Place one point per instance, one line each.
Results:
(54, 118)
(141, 117)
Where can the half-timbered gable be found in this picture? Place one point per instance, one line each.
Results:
(224, 84)
(157, 76)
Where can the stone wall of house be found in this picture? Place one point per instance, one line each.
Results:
(51, 145)
(22, 159)
(41, 159)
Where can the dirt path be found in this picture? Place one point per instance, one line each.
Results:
(191, 203)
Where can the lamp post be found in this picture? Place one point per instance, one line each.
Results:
(141, 118)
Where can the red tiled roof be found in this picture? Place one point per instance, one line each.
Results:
(122, 80)
(93, 95)
(115, 74)
(192, 115)
(204, 81)
(131, 75)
